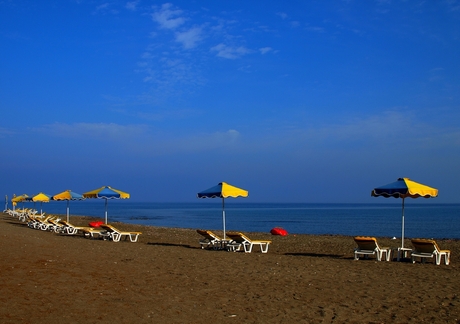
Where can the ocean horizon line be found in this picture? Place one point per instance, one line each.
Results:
(433, 220)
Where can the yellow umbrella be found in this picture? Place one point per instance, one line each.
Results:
(20, 198)
(17, 199)
(41, 197)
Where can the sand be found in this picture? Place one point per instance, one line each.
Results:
(166, 277)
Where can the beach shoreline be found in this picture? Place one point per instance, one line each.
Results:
(422, 220)
(167, 277)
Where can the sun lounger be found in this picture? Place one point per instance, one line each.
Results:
(55, 225)
(10, 212)
(424, 248)
(35, 221)
(115, 234)
(48, 223)
(369, 246)
(239, 239)
(22, 213)
(27, 214)
(210, 240)
(41, 223)
(87, 231)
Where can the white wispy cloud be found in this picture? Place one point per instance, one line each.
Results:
(106, 8)
(102, 6)
(199, 142)
(5, 132)
(391, 129)
(138, 138)
(168, 17)
(164, 114)
(95, 131)
(283, 15)
(189, 38)
(454, 5)
(316, 29)
(265, 50)
(398, 131)
(167, 62)
(132, 5)
(230, 52)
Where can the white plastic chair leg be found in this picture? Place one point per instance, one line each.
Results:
(247, 247)
(264, 247)
(133, 237)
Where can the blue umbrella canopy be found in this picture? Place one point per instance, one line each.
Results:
(106, 193)
(403, 188)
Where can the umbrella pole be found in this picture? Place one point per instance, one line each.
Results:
(223, 214)
(106, 210)
(68, 211)
(402, 231)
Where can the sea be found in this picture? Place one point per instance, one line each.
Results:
(423, 220)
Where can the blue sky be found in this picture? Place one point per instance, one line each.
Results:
(295, 101)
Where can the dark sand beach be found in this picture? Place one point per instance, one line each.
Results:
(165, 277)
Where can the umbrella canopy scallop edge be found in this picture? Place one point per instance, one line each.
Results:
(404, 188)
(106, 193)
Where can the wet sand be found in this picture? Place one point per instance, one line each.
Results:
(166, 277)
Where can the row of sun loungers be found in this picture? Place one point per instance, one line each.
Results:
(234, 242)
(22, 214)
(423, 249)
(55, 224)
(104, 231)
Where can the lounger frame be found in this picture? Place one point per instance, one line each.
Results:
(425, 248)
(115, 234)
(240, 240)
(369, 246)
(211, 240)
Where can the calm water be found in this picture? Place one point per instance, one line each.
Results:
(428, 220)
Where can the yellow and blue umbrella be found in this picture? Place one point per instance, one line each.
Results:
(68, 195)
(106, 193)
(223, 190)
(404, 188)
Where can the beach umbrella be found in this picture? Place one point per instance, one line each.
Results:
(404, 188)
(106, 193)
(68, 195)
(22, 198)
(41, 197)
(223, 190)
